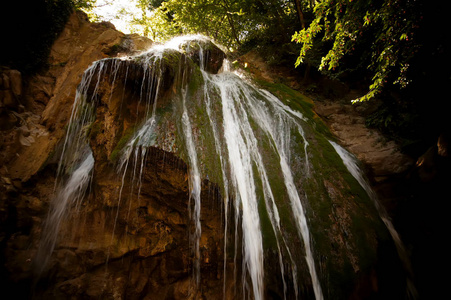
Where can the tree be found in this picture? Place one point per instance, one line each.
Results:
(384, 29)
(84, 4)
(230, 22)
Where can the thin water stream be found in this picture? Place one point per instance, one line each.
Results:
(228, 131)
(351, 164)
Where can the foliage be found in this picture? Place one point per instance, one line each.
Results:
(84, 4)
(153, 22)
(383, 30)
(230, 22)
(396, 121)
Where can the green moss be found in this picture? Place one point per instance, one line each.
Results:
(172, 60)
(268, 235)
(196, 80)
(363, 225)
(298, 102)
(121, 144)
(93, 130)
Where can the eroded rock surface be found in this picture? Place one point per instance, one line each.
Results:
(43, 105)
(383, 157)
(134, 246)
(130, 236)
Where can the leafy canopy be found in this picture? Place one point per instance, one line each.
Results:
(230, 22)
(384, 29)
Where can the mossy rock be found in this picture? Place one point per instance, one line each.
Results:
(212, 59)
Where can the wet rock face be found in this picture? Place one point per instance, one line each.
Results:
(212, 57)
(131, 235)
(145, 237)
(125, 239)
(150, 253)
(381, 156)
(34, 114)
(138, 215)
(135, 243)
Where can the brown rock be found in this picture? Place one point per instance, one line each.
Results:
(50, 95)
(5, 82)
(370, 146)
(39, 92)
(16, 82)
(8, 99)
(213, 57)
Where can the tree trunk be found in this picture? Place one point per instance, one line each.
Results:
(232, 26)
(300, 13)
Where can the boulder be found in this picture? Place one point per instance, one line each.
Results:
(212, 56)
(10, 89)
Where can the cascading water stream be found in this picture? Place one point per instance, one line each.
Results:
(243, 153)
(239, 159)
(194, 188)
(351, 164)
(74, 169)
(230, 133)
(71, 193)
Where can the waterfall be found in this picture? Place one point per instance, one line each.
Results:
(70, 193)
(74, 169)
(260, 152)
(352, 165)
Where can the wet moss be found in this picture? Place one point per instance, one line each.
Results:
(298, 102)
(126, 137)
(93, 130)
(196, 82)
(361, 231)
(361, 227)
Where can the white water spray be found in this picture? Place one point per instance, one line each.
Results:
(351, 164)
(259, 145)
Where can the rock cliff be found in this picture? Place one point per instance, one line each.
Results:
(137, 245)
(149, 251)
(411, 185)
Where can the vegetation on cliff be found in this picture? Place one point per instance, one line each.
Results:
(392, 51)
(394, 47)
